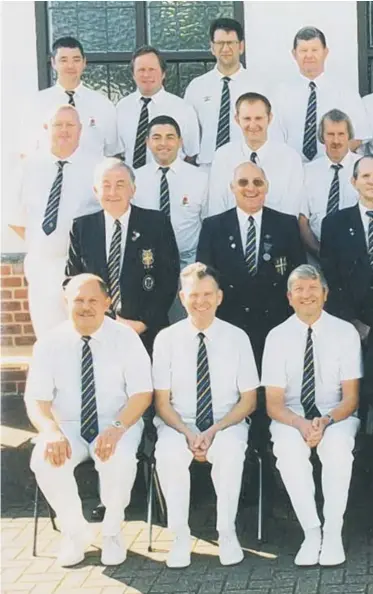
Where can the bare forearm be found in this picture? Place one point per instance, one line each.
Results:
(283, 415)
(19, 230)
(134, 409)
(239, 412)
(169, 415)
(41, 416)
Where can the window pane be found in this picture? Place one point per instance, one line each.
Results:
(370, 23)
(120, 81)
(183, 25)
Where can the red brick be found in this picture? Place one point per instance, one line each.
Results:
(25, 283)
(20, 293)
(25, 306)
(11, 281)
(11, 306)
(6, 294)
(13, 375)
(5, 269)
(28, 329)
(22, 317)
(24, 340)
(6, 318)
(6, 341)
(17, 268)
(11, 329)
(9, 388)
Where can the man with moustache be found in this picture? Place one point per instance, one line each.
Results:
(88, 385)
(132, 249)
(51, 188)
(281, 163)
(254, 249)
(311, 371)
(327, 184)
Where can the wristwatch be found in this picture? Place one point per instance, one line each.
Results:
(118, 424)
(331, 421)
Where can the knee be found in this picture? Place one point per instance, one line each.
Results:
(289, 456)
(229, 451)
(176, 456)
(336, 449)
(39, 464)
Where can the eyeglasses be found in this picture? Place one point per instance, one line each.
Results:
(229, 44)
(257, 182)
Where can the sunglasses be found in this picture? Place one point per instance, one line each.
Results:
(257, 182)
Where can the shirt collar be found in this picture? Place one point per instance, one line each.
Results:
(316, 327)
(243, 217)
(174, 167)
(211, 333)
(77, 90)
(231, 76)
(71, 159)
(96, 336)
(109, 220)
(156, 97)
(347, 160)
(319, 80)
(261, 152)
(363, 211)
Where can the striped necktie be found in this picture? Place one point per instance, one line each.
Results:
(49, 223)
(223, 133)
(164, 194)
(307, 397)
(139, 154)
(88, 414)
(70, 95)
(370, 237)
(250, 251)
(309, 137)
(333, 198)
(114, 266)
(204, 417)
(254, 157)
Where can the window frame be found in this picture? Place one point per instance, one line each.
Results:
(365, 52)
(44, 57)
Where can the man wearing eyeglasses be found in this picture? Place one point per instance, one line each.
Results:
(213, 95)
(254, 248)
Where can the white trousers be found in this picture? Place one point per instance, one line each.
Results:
(226, 454)
(117, 476)
(293, 462)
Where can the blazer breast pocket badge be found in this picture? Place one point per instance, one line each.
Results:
(281, 265)
(148, 282)
(147, 258)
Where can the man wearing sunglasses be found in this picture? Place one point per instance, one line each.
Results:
(254, 248)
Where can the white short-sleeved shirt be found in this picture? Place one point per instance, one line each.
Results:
(162, 103)
(121, 369)
(337, 358)
(282, 166)
(231, 365)
(26, 207)
(290, 102)
(204, 94)
(97, 115)
(188, 201)
(318, 177)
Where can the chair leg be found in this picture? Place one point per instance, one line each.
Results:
(260, 499)
(52, 517)
(36, 518)
(160, 499)
(150, 506)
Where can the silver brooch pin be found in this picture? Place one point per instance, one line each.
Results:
(351, 231)
(233, 246)
(135, 235)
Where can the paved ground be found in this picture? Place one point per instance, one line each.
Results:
(266, 569)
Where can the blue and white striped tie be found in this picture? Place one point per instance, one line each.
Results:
(223, 132)
(88, 414)
(250, 251)
(333, 198)
(307, 397)
(204, 416)
(139, 153)
(114, 267)
(49, 223)
(309, 137)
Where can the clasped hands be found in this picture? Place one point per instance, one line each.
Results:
(58, 448)
(312, 431)
(199, 443)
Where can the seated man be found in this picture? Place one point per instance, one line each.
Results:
(205, 379)
(311, 371)
(88, 385)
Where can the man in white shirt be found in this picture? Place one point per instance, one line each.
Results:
(311, 370)
(149, 100)
(88, 385)
(97, 113)
(205, 380)
(327, 180)
(176, 188)
(214, 94)
(51, 188)
(282, 165)
(299, 105)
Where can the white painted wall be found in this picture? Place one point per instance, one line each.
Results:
(270, 28)
(18, 80)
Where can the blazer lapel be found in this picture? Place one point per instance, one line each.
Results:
(133, 235)
(231, 236)
(266, 236)
(99, 235)
(356, 235)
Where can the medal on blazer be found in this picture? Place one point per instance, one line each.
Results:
(281, 265)
(351, 231)
(147, 258)
(148, 282)
(267, 247)
(135, 235)
(233, 245)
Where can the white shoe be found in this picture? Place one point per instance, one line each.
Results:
(230, 552)
(332, 551)
(179, 555)
(309, 552)
(73, 547)
(114, 551)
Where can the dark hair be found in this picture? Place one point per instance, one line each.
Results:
(199, 270)
(355, 171)
(67, 42)
(163, 120)
(335, 115)
(148, 49)
(226, 25)
(252, 98)
(308, 33)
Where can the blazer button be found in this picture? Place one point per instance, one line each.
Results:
(231, 286)
(247, 309)
(275, 284)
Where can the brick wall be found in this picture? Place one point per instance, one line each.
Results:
(16, 327)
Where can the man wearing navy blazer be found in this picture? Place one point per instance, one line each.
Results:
(347, 260)
(254, 248)
(134, 250)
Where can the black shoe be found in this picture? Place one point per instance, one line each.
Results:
(98, 513)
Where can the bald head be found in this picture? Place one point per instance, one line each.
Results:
(249, 187)
(64, 129)
(87, 301)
